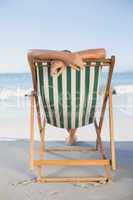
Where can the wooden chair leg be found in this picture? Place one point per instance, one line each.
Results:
(31, 132)
(101, 149)
(72, 137)
(103, 156)
(97, 130)
(42, 150)
(111, 127)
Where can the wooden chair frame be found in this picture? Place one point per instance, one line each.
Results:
(99, 145)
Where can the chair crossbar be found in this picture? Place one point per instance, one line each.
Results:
(70, 162)
(80, 149)
(98, 179)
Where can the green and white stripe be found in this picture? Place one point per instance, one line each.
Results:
(42, 113)
(89, 102)
(73, 100)
(46, 92)
(69, 101)
(82, 96)
(64, 98)
(56, 99)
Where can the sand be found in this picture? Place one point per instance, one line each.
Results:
(17, 182)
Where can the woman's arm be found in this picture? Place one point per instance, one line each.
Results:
(66, 57)
(92, 54)
(60, 59)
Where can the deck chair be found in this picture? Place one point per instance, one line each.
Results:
(69, 101)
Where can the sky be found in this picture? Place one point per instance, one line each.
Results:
(65, 24)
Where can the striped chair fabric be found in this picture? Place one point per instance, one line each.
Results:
(69, 100)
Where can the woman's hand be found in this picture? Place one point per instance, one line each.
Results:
(76, 61)
(57, 67)
(73, 60)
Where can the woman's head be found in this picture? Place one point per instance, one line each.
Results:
(67, 51)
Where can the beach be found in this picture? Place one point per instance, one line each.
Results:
(75, 53)
(17, 182)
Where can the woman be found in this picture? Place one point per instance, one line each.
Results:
(59, 61)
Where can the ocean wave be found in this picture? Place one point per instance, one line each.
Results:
(13, 93)
(124, 89)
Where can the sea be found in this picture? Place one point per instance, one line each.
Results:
(15, 88)
(17, 85)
